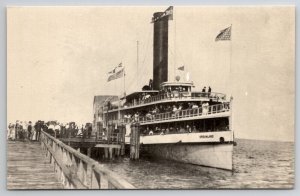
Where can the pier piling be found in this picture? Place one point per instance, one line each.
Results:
(135, 141)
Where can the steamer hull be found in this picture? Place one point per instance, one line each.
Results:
(211, 149)
(210, 155)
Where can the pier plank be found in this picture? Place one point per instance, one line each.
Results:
(28, 168)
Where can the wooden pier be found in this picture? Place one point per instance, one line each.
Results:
(27, 167)
(52, 164)
(113, 144)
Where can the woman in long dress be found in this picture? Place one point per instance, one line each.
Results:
(12, 132)
(33, 135)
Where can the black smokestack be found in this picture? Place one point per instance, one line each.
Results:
(160, 49)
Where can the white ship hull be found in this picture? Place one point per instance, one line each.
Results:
(211, 155)
(203, 148)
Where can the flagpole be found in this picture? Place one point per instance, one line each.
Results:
(230, 63)
(124, 82)
(137, 63)
(174, 18)
(231, 98)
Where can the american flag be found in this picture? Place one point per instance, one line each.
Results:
(117, 75)
(114, 70)
(224, 35)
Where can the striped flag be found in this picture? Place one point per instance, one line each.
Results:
(224, 35)
(116, 75)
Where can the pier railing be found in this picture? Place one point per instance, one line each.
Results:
(78, 171)
(179, 114)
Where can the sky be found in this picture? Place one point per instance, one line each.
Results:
(58, 59)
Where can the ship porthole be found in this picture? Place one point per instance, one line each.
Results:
(222, 140)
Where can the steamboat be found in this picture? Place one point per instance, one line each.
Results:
(175, 122)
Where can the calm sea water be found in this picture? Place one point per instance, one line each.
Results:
(257, 164)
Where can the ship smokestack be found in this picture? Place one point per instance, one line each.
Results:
(160, 46)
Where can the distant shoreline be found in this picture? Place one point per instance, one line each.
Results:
(265, 140)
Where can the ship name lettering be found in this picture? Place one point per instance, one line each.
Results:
(206, 136)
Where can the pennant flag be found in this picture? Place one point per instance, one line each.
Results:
(181, 68)
(168, 12)
(224, 35)
(116, 75)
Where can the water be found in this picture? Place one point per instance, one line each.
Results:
(257, 164)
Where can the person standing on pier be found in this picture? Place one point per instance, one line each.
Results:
(38, 127)
(29, 130)
(17, 130)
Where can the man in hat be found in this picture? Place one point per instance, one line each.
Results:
(38, 127)
(17, 129)
(209, 91)
(204, 90)
(29, 130)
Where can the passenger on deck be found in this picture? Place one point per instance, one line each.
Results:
(147, 96)
(181, 130)
(167, 131)
(195, 106)
(189, 129)
(150, 132)
(171, 130)
(149, 116)
(180, 107)
(205, 108)
(162, 132)
(174, 108)
(204, 89)
(157, 130)
(136, 117)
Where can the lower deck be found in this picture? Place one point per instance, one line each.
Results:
(202, 137)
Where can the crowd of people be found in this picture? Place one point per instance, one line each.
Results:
(172, 109)
(23, 130)
(210, 125)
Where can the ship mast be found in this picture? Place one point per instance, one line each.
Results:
(137, 62)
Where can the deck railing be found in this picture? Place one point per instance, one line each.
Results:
(175, 96)
(78, 171)
(179, 114)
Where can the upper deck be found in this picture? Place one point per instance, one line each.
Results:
(206, 112)
(144, 99)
